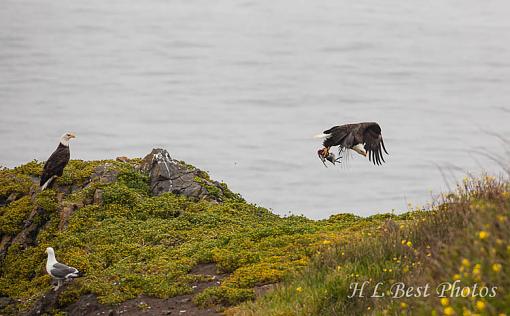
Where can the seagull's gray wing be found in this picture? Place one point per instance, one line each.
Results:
(61, 271)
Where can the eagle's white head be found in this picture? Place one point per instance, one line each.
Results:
(64, 140)
(360, 149)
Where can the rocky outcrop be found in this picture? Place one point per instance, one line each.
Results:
(79, 189)
(27, 237)
(104, 174)
(169, 175)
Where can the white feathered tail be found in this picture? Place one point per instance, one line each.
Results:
(321, 135)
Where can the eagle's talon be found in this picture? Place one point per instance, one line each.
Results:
(331, 158)
(320, 153)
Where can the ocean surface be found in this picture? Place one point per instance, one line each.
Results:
(238, 88)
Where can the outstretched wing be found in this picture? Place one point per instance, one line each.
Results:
(374, 144)
(340, 136)
(61, 271)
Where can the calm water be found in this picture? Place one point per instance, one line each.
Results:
(239, 87)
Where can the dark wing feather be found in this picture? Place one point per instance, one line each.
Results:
(374, 144)
(60, 270)
(340, 136)
(56, 163)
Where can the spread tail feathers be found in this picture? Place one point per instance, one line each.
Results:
(321, 135)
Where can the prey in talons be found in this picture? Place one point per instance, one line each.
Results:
(324, 155)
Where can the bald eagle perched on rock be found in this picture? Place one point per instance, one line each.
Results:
(364, 138)
(54, 166)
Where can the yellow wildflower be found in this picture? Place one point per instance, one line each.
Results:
(476, 271)
(496, 267)
(483, 234)
(299, 289)
(445, 301)
(480, 305)
(326, 242)
(448, 311)
(403, 305)
(409, 244)
(465, 262)
(466, 312)
(456, 277)
(403, 241)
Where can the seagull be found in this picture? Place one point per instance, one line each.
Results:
(59, 271)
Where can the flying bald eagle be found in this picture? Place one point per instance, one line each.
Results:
(59, 271)
(54, 166)
(364, 138)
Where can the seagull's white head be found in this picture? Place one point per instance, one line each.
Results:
(50, 251)
(64, 140)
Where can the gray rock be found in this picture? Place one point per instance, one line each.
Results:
(66, 213)
(98, 196)
(170, 175)
(5, 301)
(13, 197)
(104, 174)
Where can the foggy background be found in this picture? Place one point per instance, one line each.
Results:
(238, 88)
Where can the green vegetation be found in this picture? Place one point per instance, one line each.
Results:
(465, 238)
(130, 243)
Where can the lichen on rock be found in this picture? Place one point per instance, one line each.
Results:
(170, 175)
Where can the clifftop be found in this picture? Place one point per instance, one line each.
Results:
(158, 236)
(146, 229)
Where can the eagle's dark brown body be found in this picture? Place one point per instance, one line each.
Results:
(55, 165)
(348, 136)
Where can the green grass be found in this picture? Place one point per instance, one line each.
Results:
(134, 243)
(465, 238)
